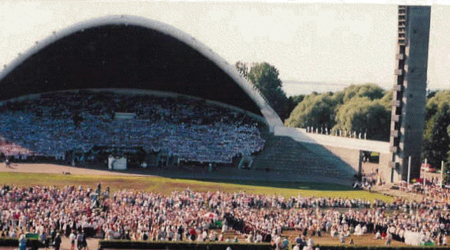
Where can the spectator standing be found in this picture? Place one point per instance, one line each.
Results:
(57, 242)
(85, 246)
(285, 243)
(22, 242)
(80, 240)
(72, 238)
(388, 239)
(342, 238)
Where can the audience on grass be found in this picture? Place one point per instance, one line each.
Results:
(433, 189)
(79, 213)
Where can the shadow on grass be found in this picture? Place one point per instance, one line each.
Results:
(178, 174)
(317, 186)
(184, 175)
(290, 185)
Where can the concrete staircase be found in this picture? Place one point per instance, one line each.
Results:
(304, 161)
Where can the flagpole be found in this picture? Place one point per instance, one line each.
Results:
(409, 169)
(424, 176)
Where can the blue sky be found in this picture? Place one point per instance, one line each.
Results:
(338, 43)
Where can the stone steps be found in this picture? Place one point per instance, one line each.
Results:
(285, 155)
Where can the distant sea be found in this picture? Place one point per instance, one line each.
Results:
(292, 88)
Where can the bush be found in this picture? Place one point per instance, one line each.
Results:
(406, 247)
(124, 244)
(14, 242)
(9, 242)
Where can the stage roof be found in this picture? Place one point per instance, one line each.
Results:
(131, 53)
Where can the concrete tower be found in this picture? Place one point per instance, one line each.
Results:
(409, 98)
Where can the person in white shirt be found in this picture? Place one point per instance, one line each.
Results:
(310, 242)
(12, 234)
(72, 238)
(358, 230)
(378, 235)
(200, 238)
(342, 238)
(259, 238)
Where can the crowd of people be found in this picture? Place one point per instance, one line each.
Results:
(53, 124)
(191, 216)
(432, 189)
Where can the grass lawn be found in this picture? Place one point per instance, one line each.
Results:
(167, 185)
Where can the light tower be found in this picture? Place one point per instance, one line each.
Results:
(409, 98)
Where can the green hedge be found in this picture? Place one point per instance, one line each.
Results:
(14, 242)
(126, 244)
(405, 247)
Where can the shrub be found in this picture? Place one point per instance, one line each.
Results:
(14, 242)
(124, 244)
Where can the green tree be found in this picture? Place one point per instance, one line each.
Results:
(369, 90)
(293, 101)
(363, 115)
(241, 68)
(447, 164)
(436, 138)
(386, 100)
(436, 101)
(265, 78)
(325, 110)
(315, 110)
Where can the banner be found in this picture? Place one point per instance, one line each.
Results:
(117, 163)
(413, 238)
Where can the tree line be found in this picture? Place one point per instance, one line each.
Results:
(364, 109)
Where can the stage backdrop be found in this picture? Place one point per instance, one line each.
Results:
(117, 163)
